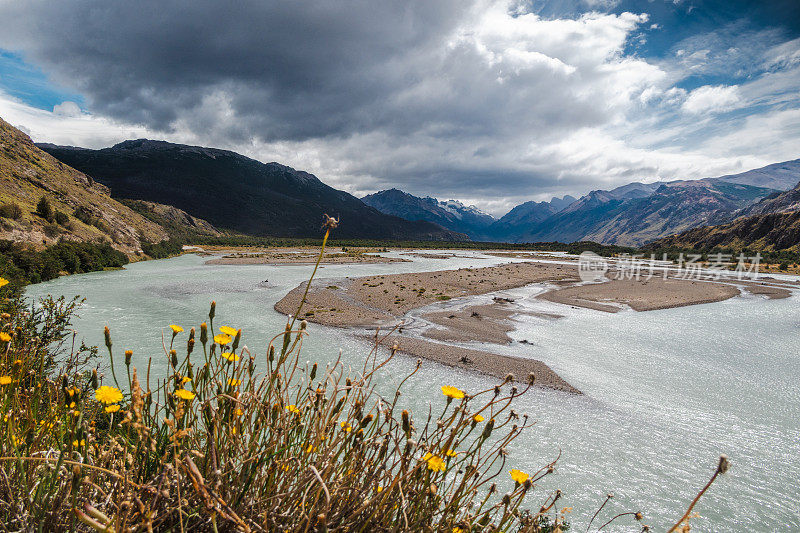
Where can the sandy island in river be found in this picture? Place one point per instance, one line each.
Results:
(300, 256)
(383, 300)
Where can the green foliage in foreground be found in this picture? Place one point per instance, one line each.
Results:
(214, 445)
(22, 264)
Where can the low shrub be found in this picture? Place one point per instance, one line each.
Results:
(11, 211)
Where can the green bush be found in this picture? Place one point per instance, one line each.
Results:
(61, 218)
(44, 209)
(11, 211)
(22, 264)
(161, 249)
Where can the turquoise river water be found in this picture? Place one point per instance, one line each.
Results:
(665, 392)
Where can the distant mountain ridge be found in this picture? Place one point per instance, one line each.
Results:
(771, 224)
(454, 215)
(237, 193)
(449, 214)
(635, 213)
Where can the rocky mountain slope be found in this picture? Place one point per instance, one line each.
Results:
(783, 202)
(77, 207)
(774, 231)
(451, 214)
(237, 193)
(779, 176)
(671, 208)
(770, 224)
(636, 213)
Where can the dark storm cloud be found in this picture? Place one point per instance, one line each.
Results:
(288, 70)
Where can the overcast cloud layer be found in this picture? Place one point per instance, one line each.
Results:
(487, 102)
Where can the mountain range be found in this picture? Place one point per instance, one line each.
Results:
(630, 215)
(456, 216)
(234, 192)
(773, 224)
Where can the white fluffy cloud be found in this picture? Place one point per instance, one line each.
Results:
(712, 99)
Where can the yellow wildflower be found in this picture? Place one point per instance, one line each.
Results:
(76, 443)
(230, 356)
(452, 392)
(435, 462)
(222, 339)
(378, 489)
(450, 453)
(3, 282)
(239, 412)
(293, 409)
(347, 428)
(175, 329)
(186, 379)
(112, 408)
(311, 448)
(478, 418)
(234, 382)
(518, 475)
(228, 331)
(5, 337)
(108, 395)
(5, 380)
(184, 394)
(458, 530)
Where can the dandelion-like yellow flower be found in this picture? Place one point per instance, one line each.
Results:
(518, 475)
(478, 418)
(458, 530)
(378, 489)
(5, 337)
(234, 382)
(5, 380)
(3, 282)
(230, 356)
(435, 462)
(450, 453)
(452, 392)
(186, 379)
(175, 329)
(222, 339)
(77, 443)
(293, 409)
(347, 428)
(227, 330)
(112, 408)
(108, 395)
(184, 394)
(239, 412)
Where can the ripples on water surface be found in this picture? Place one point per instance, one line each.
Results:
(665, 392)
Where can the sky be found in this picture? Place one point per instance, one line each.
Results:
(492, 103)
